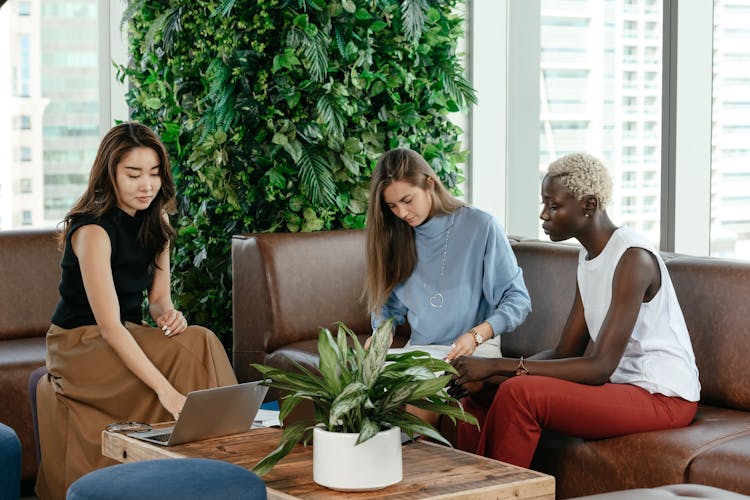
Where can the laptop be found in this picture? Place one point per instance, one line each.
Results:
(210, 413)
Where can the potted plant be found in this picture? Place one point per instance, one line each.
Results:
(359, 399)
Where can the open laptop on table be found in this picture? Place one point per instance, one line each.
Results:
(211, 413)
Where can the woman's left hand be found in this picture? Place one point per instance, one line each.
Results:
(463, 346)
(172, 322)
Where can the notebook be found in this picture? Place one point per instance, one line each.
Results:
(211, 413)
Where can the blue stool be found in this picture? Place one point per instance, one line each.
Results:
(171, 478)
(10, 464)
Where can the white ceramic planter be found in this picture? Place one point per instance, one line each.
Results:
(340, 465)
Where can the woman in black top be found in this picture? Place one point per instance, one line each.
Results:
(104, 364)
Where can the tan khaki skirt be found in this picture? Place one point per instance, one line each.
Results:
(89, 387)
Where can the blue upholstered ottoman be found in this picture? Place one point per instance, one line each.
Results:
(173, 478)
(10, 464)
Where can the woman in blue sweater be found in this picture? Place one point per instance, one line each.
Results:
(444, 266)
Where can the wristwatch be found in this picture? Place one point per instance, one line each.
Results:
(478, 339)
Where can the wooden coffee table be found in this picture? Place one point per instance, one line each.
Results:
(430, 470)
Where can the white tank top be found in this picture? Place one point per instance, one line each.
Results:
(658, 356)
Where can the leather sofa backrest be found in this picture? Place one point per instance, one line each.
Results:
(714, 295)
(549, 271)
(29, 277)
(286, 287)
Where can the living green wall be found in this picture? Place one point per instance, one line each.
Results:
(274, 113)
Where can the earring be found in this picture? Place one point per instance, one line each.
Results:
(587, 215)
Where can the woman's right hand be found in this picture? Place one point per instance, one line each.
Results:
(172, 401)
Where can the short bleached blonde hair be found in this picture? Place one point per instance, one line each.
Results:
(583, 175)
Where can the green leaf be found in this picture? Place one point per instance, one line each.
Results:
(374, 361)
(453, 412)
(351, 397)
(362, 15)
(349, 6)
(412, 425)
(329, 361)
(153, 103)
(315, 49)
(301, 21)
(315, 178)
(291, 436)
(378, 26)
(413, 14)
(311, 221)
(368, 430)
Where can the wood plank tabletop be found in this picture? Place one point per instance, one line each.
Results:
(430, 470)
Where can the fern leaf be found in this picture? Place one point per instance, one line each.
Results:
(316, 55)
(413, 13)
(224, 9)
(330, 115)
(339, 40)
(316, 178)
(134, 7)
(157, 26)
(172, 26)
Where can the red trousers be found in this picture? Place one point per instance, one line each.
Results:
(524, 405)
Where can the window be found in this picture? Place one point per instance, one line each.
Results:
(606, 92)
(629, 179)
(730, 160)
(22, 122)
(23, 8)
(24, 185)
(23, 154)
(26, 219)
(53, 64)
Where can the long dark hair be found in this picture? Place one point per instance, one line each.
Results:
(391, 249)
(100, 196)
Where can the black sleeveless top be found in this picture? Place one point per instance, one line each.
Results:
(132, 270)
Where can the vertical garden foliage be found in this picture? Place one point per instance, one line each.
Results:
(274, 113)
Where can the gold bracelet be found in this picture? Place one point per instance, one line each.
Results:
(521, 368)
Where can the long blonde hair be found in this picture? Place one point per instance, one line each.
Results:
(391, 249)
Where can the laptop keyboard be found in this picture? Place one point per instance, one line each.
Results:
(161, 437)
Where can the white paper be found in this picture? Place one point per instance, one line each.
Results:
(266, 418)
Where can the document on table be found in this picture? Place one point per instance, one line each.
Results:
(266, 418)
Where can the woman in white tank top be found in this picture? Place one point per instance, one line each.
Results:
(640, 375)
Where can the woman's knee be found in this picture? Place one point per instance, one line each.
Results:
(520, 390)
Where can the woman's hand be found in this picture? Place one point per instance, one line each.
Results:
(172, 401)
(471, 369)
(463, 346)
(172, 322)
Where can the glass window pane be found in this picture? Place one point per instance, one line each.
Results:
(730, 141)
(600, 93)
(53, 95)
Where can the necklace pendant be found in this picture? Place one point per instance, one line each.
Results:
(437, 300)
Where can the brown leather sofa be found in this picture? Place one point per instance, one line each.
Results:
(287, 286)
(29, 276)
